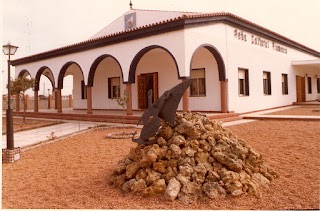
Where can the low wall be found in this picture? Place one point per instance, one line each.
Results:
(42, 103)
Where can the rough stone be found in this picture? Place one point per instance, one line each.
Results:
(139, 186)
(214, 190)
(132, 169)
(126, 187)
(260, 179)
(158, 187)
(166, 132)
(194, 158)
(173, 189)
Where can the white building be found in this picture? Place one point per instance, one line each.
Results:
(238, 66)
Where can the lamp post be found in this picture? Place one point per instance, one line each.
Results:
(9, 50)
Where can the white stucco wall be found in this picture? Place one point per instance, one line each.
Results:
(157, 61)
(211, 102)
(256, 58)
(182, 44)
(143, 18)
(108, 68)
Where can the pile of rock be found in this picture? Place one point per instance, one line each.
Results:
(197, 157)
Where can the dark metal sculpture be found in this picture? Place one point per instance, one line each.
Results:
(165, 108)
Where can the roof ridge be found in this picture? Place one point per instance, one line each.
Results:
(181, 17)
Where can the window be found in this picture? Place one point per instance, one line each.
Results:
(266, 83)
(309, 85)
(284, 84)
(114, 87)
(198, 86)
(243, 75)
(318, 85)
(83, 90)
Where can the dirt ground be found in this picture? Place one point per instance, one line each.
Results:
(74, 172)
(303, 110)
(19, 125)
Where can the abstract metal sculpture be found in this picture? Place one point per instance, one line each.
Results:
(165, 108)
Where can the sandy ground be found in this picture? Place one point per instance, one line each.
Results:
(19, 125)
(74, 172)
(303, 110)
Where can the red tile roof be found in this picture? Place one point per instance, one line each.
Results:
(174, 23)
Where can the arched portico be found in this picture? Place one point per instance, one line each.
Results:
(22, 74)
(208, 67)
(79, 87)
(140, 54)
(153, 68)
(105, 81)
(43, 71)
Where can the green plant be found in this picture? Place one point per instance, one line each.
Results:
(19, 86)
(122, 102)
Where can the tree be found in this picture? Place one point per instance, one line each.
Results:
(123, 101)
(18, 87)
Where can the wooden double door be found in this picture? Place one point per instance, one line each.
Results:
(301, 88)
(147, 82)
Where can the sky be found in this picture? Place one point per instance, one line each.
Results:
(41, 25)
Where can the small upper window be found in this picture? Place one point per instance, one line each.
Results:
(318, 85)
(198, 86)
(114, 87)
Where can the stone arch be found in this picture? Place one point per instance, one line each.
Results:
(216, 54)
(63, 71)
(95, 64)
(46, 71)
(24, 73)
(140, 54)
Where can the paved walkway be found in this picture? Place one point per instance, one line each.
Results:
(31, 137)
(36, 136)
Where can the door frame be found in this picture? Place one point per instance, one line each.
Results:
(142, 92)
(301, 88)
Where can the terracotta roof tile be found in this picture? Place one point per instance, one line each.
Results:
(185, 16)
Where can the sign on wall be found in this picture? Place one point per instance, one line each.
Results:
(259, 41)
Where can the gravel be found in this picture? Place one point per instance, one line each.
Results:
(303, 110)
(74, 172)
(19, 125)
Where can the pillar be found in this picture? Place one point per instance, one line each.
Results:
(185, 99)
(17, 102)
(36, 102)
(70, 101)
(224, 95)
(49, 101)
(129, 103)
(59, 101)
(89, 100)
(26, 102)
(55, 99)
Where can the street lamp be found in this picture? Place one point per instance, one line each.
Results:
(9, 50)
